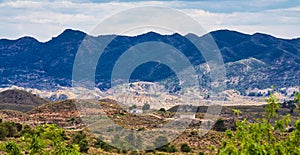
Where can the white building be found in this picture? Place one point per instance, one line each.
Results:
(136, 111)
(187, 116)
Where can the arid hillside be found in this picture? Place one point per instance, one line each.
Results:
(20, 100)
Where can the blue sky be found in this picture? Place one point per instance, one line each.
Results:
(45, 19)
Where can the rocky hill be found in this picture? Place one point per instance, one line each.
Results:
(19, 100)
(63, 113)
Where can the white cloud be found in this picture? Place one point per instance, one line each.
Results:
(44, 20)
(282, 23)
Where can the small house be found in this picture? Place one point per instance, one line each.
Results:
(187, 116)
(136, 111)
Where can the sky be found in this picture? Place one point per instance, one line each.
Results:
(46, 19)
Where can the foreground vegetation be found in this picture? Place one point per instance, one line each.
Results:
(264, 136)
(18, 139)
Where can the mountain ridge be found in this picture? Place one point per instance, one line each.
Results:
(70, 30)
(47, 65)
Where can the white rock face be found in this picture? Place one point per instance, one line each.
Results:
(140, 93)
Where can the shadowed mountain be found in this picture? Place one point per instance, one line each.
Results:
(19, 100)
(29, 63)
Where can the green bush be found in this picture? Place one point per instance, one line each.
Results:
(84, 145)
(79, 138)
(162, 110)
(172, 149)
(36, 144)
(201, 153)
(106, 147)
(162, 144)
(12, 148)
(185, 148)
(3, 132)
(220, 125)
(37, 140)
(11, 128)
(132, 107)
(146, 106)
(262, 136)
(26, 130)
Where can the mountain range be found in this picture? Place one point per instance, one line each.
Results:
(251, 61)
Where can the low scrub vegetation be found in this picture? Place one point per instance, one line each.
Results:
(273, 132)
(264, 136)
(43, 139)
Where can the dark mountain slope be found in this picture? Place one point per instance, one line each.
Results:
(29, 63)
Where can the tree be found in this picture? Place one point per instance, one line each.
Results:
(236, 114)
(11, 128)
(26, 130)
(132, 107)
(3, 132)
(84, 145)
(146, 106)
(162, 110)
(272, 106)
(220, 125)
(185, 148)
(77, 137)
(80, 139)
(172, 149)
(54, 136)
(18, 126)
